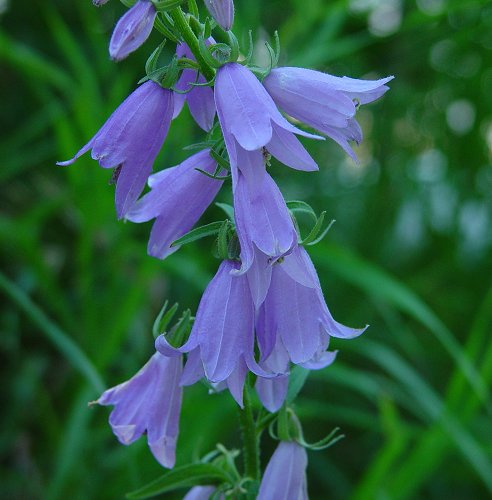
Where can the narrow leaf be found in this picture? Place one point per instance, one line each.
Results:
(182, 477)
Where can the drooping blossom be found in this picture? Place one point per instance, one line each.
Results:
(294, 311)
(193, 371)
(273, 391)
(178, 198)
(222, 11)
(263, 221)
(285, 475)
(133, 28)
(325, 102)
(130, 140)
(223, 329)
(250, 120)
(200, 99)
(150, 402)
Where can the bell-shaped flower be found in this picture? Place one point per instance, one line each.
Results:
(193, 371)
(325, 102)
(178, 198)
(273, 391)
(130, 140)
(222, 11)
(285, 475)
(295, 311)
(250, 120)
(223, 329)
(133, 28)
(263, 221)
(200, 99)
(150, 402)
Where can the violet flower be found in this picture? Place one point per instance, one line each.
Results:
(273, 391)
(223, 329)
(295, 311)
(325, 102)
(194, 371)
(285, 475)
(263, 221)
(150, 402)
(178, 198)
(200, 99)
(133, 28)
(222, 11)
(250, 120)
(130, 140)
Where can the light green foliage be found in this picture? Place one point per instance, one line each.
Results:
(410, 253)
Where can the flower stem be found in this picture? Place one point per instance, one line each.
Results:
(191, 40)
(251, 448)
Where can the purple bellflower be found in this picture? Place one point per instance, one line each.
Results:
(133, 28)
(193, 372)
(250, 121)
(262, 218)
(273, 391)
(325, 102)
(295, 312)
(222, 11)
(223, 330)
(150, 402)
(178, 198)
(130, 140)
(285, 475)
(200, 99)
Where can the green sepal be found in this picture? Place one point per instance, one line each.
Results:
(165, 5)
(228, 209)
(223, 241)
(322, 235)
(163, 319)
(298, 206)
(185, 476)
(324, 443)
(164, 25)
(152, 61)
(215, 176)
(297, 378)
(198, 146)
(181, 330)
(198, 233)
(193, 9)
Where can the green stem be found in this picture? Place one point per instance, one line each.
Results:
(191, 40)
(250, 438)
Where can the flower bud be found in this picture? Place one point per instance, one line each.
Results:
(222, 11)
(132, 29)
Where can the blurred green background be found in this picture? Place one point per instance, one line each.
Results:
(410, 253)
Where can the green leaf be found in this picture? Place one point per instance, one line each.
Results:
(197, 234)
(382, 285)
(182, 477)
(58, 337)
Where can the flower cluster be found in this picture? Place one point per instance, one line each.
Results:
(264, 310)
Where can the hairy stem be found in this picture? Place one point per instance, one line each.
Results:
(250, 438)
(191, 40)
